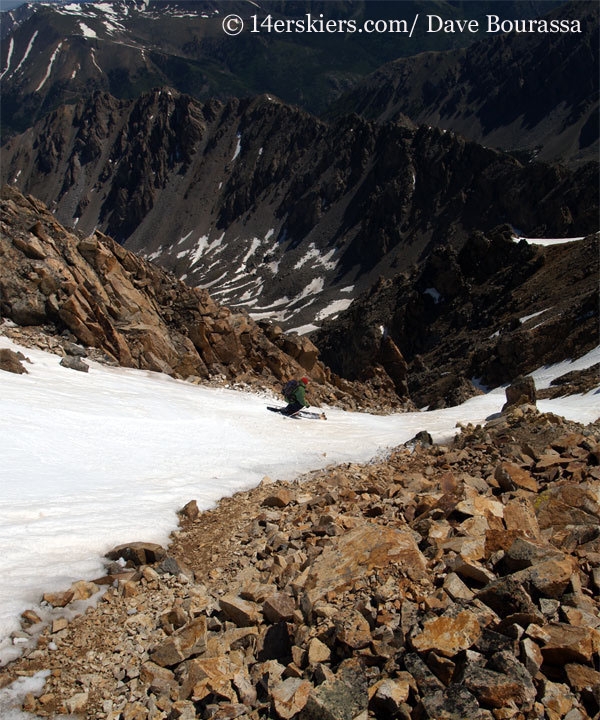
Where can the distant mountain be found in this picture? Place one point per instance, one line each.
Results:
(58, 53)
(533, 92)
(274, 210)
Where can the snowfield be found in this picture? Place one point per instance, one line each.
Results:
(92, 460)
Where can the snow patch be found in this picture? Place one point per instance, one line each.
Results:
(27, 51)
(184, 238)
(254, 245)
(11, 47)
(432, 292)
(238, 148)
(87, 31)
(49, 68)
(546, 242)
(14, 695)
(315, 255)
(525, 318)
(201, 248)
(93, 54)
(333, 308)
(304, 329)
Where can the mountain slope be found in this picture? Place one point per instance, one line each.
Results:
(534, 92)
(275, 210)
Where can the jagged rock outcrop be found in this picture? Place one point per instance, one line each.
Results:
(137, 315)
(447, 581)
(486, 314)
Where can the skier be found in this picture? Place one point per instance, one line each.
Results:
(296, 399)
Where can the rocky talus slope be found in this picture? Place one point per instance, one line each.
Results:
(445, 582)
(61, 288)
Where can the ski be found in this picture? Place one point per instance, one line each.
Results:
(300, 414)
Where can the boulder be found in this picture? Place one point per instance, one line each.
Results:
(359, 552)
(138, 553)
(11, 361)
(520, 392)
(185, 642)
(448, 635)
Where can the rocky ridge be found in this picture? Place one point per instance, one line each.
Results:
(444, 582)
(115, 48)
(62, 290)
(485, 314)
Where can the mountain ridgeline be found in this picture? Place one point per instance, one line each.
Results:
(53, 54)
(535, 96)
(384, 225)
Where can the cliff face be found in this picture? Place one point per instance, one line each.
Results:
(275, 210)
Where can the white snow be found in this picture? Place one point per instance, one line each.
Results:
(334, 308)
(525, 318)
(304, 329)
(201, 248)
(203, 245)
(314, 254)
(184, 238)
(93, 54)
(314, 287)
(91, 460)
(238, 148)
(546, 241)
(49, 68)
(254, 245)
(107, 8)
(432, 292)
(11, 47)
(87, 31)
(12, 696)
